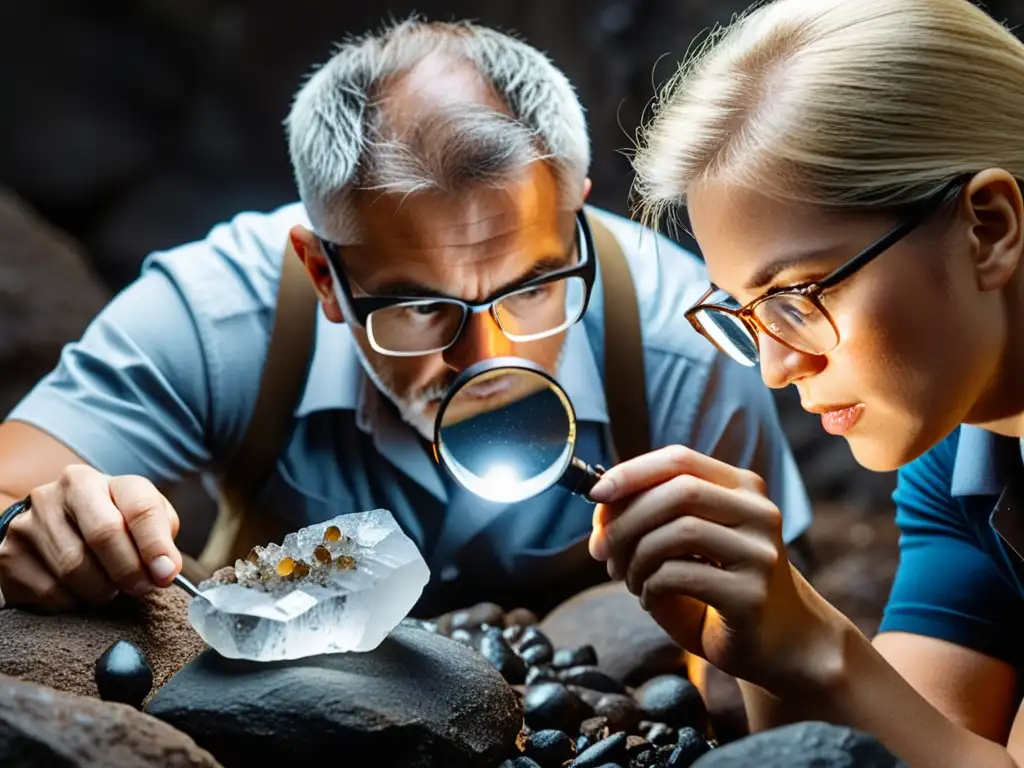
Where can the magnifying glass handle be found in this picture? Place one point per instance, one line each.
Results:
(580, 477)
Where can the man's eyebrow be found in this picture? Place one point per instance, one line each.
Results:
(768, 272)
(404, 288)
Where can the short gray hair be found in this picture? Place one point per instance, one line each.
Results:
(339, 137)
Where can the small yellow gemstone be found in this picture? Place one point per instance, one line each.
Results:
(322, 554)
(345, 562)
(285, 567)
(332, 534)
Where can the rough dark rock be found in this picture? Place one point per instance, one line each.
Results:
(803, 745)
(40, 726)
(123, 675)
(552, 706)
(672, 700)
(550, 748)
(610, 750)
(622, 711)
(61, 651)
(417, 700)
(630, 646)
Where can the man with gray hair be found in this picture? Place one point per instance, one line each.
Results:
(442, 170)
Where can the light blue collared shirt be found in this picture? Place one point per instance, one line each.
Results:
(164, 381)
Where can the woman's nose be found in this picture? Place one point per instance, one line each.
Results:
(782, 365)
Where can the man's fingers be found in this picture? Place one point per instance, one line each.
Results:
(88, 503)
(144, 510)
(25, 581)
(637, 475)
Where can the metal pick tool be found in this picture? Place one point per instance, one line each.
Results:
(187, 585)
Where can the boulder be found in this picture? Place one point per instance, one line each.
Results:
(61, 651)
(417, 700)
(630, 645)
(41, 726)
(803, 745)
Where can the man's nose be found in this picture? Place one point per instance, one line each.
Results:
(782, 365)
(481, 339)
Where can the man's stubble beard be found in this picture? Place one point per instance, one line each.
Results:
(411, 409)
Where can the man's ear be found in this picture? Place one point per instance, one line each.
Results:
(993, 207)
(305, 246)
(587, 185)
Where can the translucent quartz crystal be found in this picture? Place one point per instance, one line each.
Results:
(297, 600)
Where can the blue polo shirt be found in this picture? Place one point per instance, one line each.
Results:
(165, 379)
(957, 580)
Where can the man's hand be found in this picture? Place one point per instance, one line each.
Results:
(86, 537)
(701, 545)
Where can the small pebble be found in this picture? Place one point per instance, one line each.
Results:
(513, 633)
(552, 706)
(499, 653)
(521, 762)
(610, 750)
(622, 712)
(672, 700)
(478, 615)
(592, 678)
(594, 728)
(536, 654)
(550, 748)
(661, 734)
(123, 674)
(532, 637)
(522, 616)
(582, 742)
(691, 745)
(583, 656)
(589, 697)
(540, 675)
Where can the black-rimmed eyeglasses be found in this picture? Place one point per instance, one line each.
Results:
(533, 309)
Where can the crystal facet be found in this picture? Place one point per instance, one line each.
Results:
(341, 585)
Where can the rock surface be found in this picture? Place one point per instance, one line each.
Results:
(43, 727)
(630, 646)
(417, 700)
(61, 651)
(803, 745)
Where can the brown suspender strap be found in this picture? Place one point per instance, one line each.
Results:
(281, 384)
(625, 386)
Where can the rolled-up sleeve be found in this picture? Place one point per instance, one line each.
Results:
(723, 410)
(947, 586)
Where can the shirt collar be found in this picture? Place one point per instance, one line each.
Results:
(979, 467)
(337, 380)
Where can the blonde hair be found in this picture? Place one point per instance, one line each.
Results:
(854, 104)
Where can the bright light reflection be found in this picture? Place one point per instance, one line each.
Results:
(502, 479)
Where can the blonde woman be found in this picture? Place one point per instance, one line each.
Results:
(850, 169)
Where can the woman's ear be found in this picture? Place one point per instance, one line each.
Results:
(994, 209)
(305, 246)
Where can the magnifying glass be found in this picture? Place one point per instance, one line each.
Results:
(506, 431)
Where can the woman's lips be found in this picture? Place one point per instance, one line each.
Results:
(839, 421)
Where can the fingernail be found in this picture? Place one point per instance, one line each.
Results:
(162, 568)
(140, 588)
(598, 548)
(603, 490)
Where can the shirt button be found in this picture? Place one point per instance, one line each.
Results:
(449, 573)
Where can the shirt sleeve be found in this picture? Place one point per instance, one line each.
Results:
(947, 586)
(724, 410)
(164, 379)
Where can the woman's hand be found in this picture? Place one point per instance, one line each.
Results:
(701, 545)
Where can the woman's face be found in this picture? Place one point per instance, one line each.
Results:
(921, 329)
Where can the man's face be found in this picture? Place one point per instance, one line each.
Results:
(467, 247)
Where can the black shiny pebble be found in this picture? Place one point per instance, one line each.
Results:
(123, 675)
(496, 650)
(513, 633)
(610, 750)
(582, 742)
(532, 638)
(592, 678)
(552, 706)
(672, 700)
(536, 654)
(661, 734)
(463, 636)
(540, 675)
(550, 748)
(520, 762)
(584, 656)
(691, 745)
